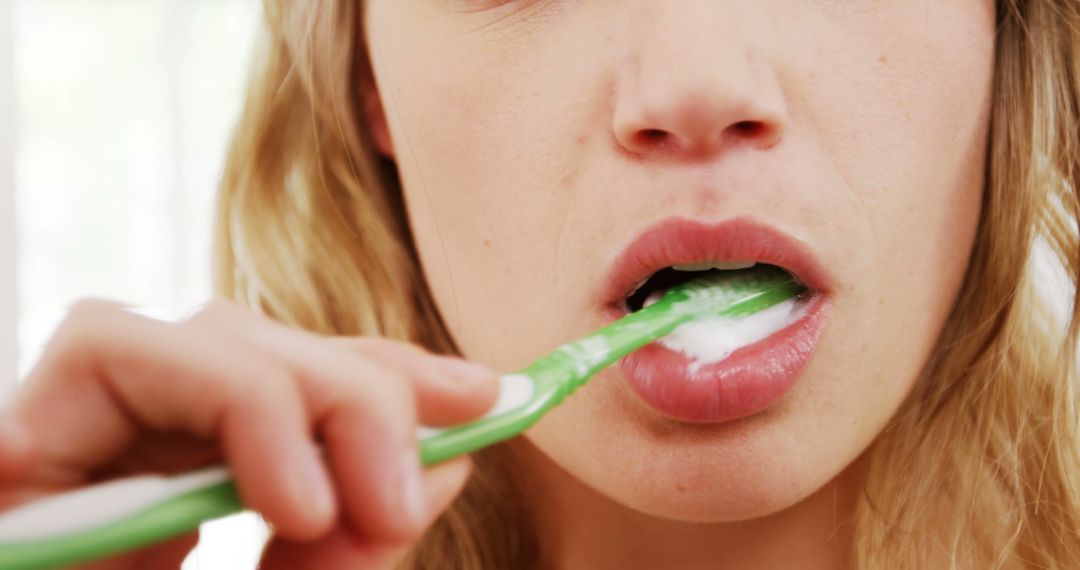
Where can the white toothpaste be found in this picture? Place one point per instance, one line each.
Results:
(712, 339)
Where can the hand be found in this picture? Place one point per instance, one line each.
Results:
(118, 394)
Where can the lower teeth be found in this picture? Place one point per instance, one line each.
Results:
(653, 298)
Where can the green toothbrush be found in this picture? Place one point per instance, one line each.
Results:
(131, 513)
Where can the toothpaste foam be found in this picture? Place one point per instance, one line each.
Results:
(712, 339)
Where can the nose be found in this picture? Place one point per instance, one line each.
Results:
(691, 85)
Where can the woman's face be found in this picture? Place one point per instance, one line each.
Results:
(554, 153)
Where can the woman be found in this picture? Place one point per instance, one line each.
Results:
(493, 178)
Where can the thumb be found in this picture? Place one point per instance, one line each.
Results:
(342, 548)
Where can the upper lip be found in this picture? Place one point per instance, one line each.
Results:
(677, 241)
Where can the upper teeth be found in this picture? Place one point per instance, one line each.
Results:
(722, 265)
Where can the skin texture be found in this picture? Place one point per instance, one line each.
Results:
(535, 139)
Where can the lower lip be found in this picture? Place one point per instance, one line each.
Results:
(749, 380)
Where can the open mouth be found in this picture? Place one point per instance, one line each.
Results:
(711, 339)
(717, 369)
(653, 288)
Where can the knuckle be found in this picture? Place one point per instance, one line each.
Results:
(366, 368)
(89, 309)
(258, 384)
(254, 393)
(380, 395)
(87, 325)
(387, 381)
(83, 318)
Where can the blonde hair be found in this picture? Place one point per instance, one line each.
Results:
(977, 467)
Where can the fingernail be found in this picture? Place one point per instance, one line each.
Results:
(314, 485)
(464, 370)
(413, 499)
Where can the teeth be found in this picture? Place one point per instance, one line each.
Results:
(722, 265)
(636, 287)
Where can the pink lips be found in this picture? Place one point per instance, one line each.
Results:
(753, 377)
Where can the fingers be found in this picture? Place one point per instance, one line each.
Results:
(373, 454)
(93, 393)
(110, 374)
(343, 549)
(448, 390)
(269, 444)
(368, 424)
(269, 395)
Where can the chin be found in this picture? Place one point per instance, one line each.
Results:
(699, 473)
(693, 494)
(711, 482)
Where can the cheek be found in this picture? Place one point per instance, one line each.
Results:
(903, 125)
(904, 122)
(488, 138)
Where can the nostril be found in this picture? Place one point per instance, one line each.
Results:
(748, 127)
(652, 136)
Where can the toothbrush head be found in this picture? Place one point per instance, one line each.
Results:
(734, 293)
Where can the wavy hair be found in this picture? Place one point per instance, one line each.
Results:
(978, 465)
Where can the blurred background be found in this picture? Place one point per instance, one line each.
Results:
(114, 117)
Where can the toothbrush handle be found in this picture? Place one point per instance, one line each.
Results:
(179, 504)
(168, 518)
(138, 511)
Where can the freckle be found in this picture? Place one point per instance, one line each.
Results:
(581, 139)
(883, 60)
(487, 243)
